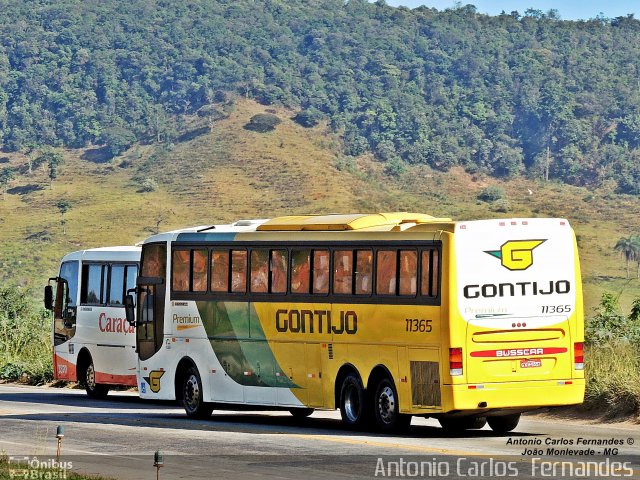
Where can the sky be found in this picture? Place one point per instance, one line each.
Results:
(569, 9)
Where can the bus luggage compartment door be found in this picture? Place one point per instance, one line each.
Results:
(518, 354)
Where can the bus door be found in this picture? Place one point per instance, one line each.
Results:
(151, 288)
(64, 321)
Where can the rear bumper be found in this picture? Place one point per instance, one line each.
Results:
(513, 395)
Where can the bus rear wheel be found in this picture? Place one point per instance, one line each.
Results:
(94, 390)
(504, 423)
(192, 395)
(460, 424)
(301, 412)
(386, 408)
(352, 405)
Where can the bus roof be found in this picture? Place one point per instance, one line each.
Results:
(336, 223)
(117, 253)
(356, 221)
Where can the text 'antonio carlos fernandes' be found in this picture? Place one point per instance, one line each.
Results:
(475, 468)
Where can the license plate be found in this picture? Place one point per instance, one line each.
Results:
(531, 363)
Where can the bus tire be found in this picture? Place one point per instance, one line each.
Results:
(504, 423)
(460, 424)
(301, 412)
(352, 401)
(192, 395)
(386, 408)
(94, 390)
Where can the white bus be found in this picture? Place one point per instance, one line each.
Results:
(93, 344)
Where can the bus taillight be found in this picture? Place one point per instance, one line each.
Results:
(455, 361)
(578, 355)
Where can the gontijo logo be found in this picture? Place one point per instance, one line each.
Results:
(516, 254)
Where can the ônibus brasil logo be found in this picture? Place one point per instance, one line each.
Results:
(516, 254)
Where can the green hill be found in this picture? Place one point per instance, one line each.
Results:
(229, 173)
(507, 96)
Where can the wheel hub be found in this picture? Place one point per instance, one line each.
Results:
(386, 405)
(91, 377)
(191, 393)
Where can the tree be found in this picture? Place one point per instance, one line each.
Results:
(6, 175)
(63, 207)
(628, 248)
(117, 139)
(53, 160)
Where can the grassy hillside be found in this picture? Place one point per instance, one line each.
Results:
(230, 173)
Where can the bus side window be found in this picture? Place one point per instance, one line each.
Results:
(259, 271)
(180, 271)
(364, 272)
(199, 270)
(320, 271)
(386, 272)
(342, 272)
(220, 271)
(429, 280)
(408, 272)
(130, 277)
(238, 271)
(278, 272)
(92, 283)
(116, 285)
(300, 271)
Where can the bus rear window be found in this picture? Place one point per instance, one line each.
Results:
(429, 280)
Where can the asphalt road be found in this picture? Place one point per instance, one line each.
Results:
(117, 437)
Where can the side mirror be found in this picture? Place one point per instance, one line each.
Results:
(48, 297)
(130, 310)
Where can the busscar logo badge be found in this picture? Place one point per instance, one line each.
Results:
(516, 254)
(154, 380)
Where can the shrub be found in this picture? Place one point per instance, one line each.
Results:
(501, 205)
(25, 338)
(394, 167)
(262, 122)
(491, 194)
(148, 185)
(308, 118)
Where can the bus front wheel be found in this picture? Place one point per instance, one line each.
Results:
(192, 395)
(386, 408)
(352, 408)
(504, 423)
(94, 390)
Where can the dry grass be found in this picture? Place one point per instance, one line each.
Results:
(233, 173)
(613, 379)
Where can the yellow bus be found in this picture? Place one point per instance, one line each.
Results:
(384, 316)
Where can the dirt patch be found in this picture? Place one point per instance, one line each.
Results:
(584, 416)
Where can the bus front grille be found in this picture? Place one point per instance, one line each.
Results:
(425, 384)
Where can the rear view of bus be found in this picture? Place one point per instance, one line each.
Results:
(92, 342)
(516, 323)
